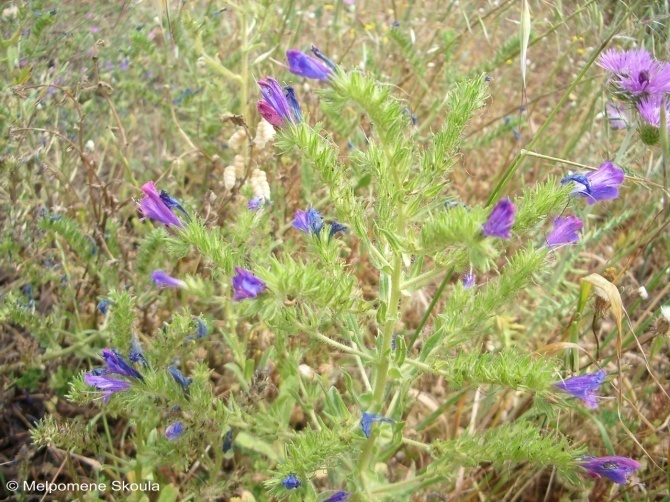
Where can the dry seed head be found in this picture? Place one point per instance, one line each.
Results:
(239, 166)
(663, 321)
(237, 139)
(229, 177)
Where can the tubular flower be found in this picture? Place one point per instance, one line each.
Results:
(180, 379)
(369, 418)
(341, 496)
(616, 469)
(154, 206)
(500, 221)
(306, 66)
(174, 431)
(309, 221)
(278, 105)
(246, 285)
(319, 54)
(565, 231)
(583, 387)
(602, 184)
(291, 482)
(117, 364)
(162, 280)
(106, 384)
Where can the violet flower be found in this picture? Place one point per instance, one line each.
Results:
(309, 221)
(637, 72)
(174, 431)
(117, 364)
(179, 377)
(172, 202)
(341, 496)
(616, 469)
(255, 204)
(500, 221)
(650, 110)
(617, 116)
(154, 207)
(469, 279)
(583, 387)
(106, 384)
(367, 420)
(602, 184)
(278, 105)
(246, 285)
(306, 66)
(565, 231)
(291, 482)
(322, 57)
(162, 280)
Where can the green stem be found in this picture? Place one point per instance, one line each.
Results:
(244, 63)
(438, 293)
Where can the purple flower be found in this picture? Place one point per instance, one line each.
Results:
(340, 496)
(336, 227)
(500, 220)
(291, 482)
(255, 204)
(278, 105)
(319, 54)
(583, 387)
(117, 364)
(246, 285)
(616, 469)
(306, 66)
(650, 110)
(309, 221)
(154, 207)
(162, 280)
(637, 72)
(171, 202)
(95, 28)
(616, 115)
(469, 279)
(565, 231)
(106, 384)
(180, 379)
(174, 431)
(601, 184)
(368, 418)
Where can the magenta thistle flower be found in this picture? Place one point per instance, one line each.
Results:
(616, 469)
(246, 285)
(601, 184)
(637, 72)
(468, 279)
(583, 387)
(617, 116)
(278, 105)
(565, 231)
(106, 384)
(623, 62)
(650, 110)
(174, 431)
(154, 207)
(369, 418)
(306, 66)
(291, 482)
(500, 221)
(117, 364)
(162, 280)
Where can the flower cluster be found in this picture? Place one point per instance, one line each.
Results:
(115, 365)
(158, 206)
(311, 222)
(279, 106)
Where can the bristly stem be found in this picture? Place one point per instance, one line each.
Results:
(433, 302)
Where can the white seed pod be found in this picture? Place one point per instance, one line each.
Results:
(237, 139)
(89, 146)
(264, 133)
(642, 291)
(260, 185)
(229, 177)
(239, 165)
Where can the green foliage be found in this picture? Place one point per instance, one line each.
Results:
(120, 318)
(74, 435)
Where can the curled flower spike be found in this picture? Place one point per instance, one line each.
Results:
(500, 221)
(602, 184)
(468, 280)
(306, 66)
(616, 469)
(162, 280)
(583, 387)
(275, 106)
(341, 496)
(246, 285)
(117, 364)
(153, 206)
(180, 379)
(106, 384)
(565, 231)
(291, 482)
(367, 420)
(174, 431)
